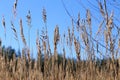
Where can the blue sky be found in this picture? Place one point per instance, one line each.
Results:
(56, 15)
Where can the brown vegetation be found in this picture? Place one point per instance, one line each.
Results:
(58, 67)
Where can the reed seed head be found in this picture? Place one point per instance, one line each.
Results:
(44, 15)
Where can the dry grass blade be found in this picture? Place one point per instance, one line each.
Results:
(22, 34)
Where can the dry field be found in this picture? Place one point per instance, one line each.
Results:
(54, 66)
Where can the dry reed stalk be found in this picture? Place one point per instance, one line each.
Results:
(1, 52)
(0, 42)
(55, 57)
(29, 18)
(15, 4)
(73, 28)
(106, 40)
(38, 51)
(46, 31)
(14, 30)
(77, 48)
(110, 21)
(28, 55)
(46, 46)
(109, 25)
(85, 40)
(70, 42)
(15, 33)
(56, 39)
(100, 28)
(22, 34)
(44, 15)
(88, 16)
(78, 22)
(119, 43)
(106, 12)
(14, 8)
(64, 58)
(4, 25)
(45, 58)
(38, 42)
(101, 9)
(29, 24)
(69, 36)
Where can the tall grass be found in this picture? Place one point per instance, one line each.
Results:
(58, 67)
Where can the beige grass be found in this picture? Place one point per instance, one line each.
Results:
(56, 67)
